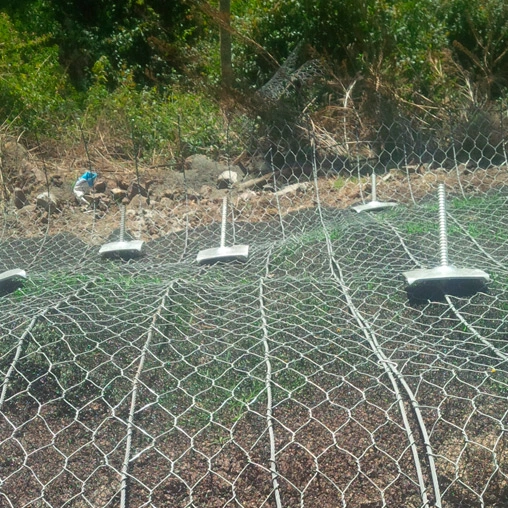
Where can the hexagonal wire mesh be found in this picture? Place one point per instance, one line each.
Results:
(304, 377)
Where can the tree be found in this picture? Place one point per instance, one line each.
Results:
(226, 65)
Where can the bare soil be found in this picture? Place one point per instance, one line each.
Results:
(163, 200)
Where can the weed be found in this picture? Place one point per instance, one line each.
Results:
(340, 181)
(484, 202)
(418, 228)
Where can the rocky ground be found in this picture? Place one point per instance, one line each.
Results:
(162, 199)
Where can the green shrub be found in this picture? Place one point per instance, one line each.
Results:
(34, 90)
(159, 121)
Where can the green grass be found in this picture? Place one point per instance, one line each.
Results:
(420, 228)
(291, 251)
(484, 202)
(61, 282)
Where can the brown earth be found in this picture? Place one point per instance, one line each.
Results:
(162, 199)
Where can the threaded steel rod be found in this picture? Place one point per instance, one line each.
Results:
(443, 238)
(122, 222)
(223, 226)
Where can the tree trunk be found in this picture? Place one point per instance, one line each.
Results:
(226, 65)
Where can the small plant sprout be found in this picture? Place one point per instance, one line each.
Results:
(374, 204)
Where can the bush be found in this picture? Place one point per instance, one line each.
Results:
(168, 122)
(34, 91)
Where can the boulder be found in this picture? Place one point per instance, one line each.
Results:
(136, 202)
(166, 202)
(136, 188)
(296, 187)
(227, 179)
(122, 184)
(205, 191)
(48, 202)
(246, 195)
(100, 185)
(200, 163)
(19, 198)
(118, 194)
(13, 155)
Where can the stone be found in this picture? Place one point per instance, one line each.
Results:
(48, 202)
(205, 190)
(96, 198)
(118, 194)
(227, 179)
(13, 154)
(292, 188)
(122, 184)
(28, 210)
(193, 195)
(246, 195)
(200, 163)
(136, 188)
(100, 185)
(136, 202)
(166, 202)
(259, 165)
(19, 198)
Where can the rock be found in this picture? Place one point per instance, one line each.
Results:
(136, 202)
(246, 195)
(19, 198)
(28, 210)
(200, 163)
(227, 179)
(166, 202)
(56, 181)
(292, 188)
(205, 191)
(172, 194)
(121, 184)
(48, 201)
(259, 165)
(118, 194)
(193, 195)
(98, 200)
(13, 154)
(100, 185)
(95, 197)
(136, 188)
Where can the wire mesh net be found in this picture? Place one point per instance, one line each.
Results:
(303, 377)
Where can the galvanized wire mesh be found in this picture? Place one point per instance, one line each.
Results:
(304, 377)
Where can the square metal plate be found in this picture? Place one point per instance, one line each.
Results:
(11, 280)
(12, 275)
(445, 273)
(123, 249)
(373, 206)
(223, 254)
